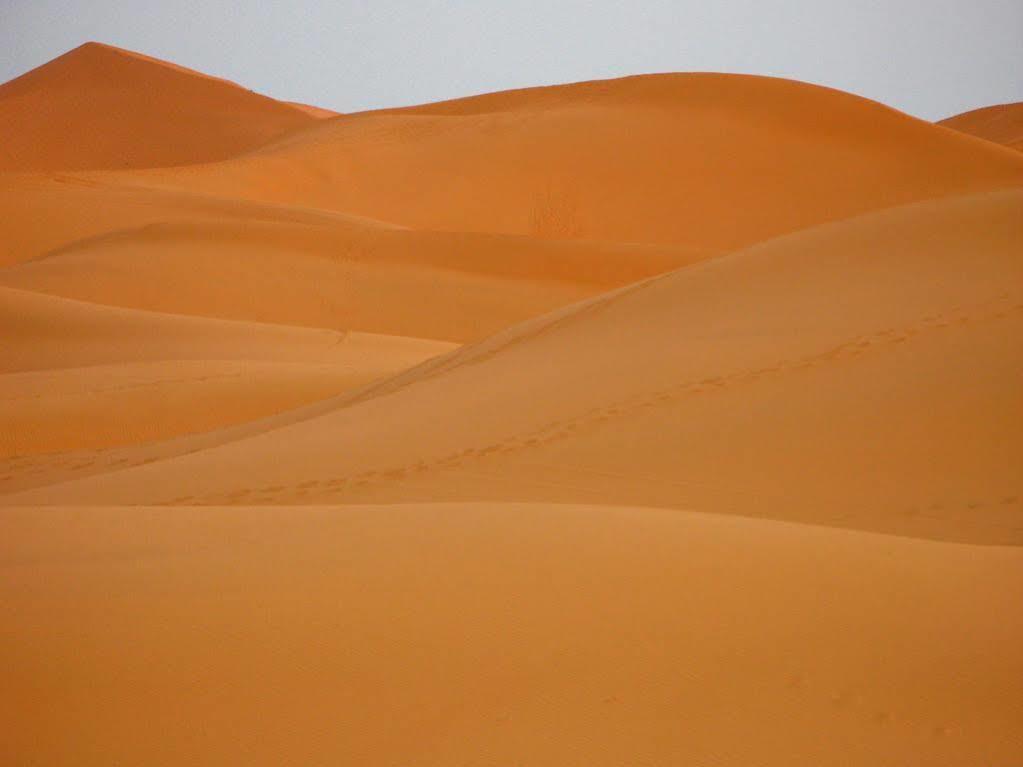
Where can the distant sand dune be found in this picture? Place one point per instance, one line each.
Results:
(451, 286)
(180, 252)
(69, 409)
(103, 107)
(669, 420)
(1002, 124)
(81, 376)
(863, 374)
(710, 161)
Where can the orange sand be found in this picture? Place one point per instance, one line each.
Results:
(1002, 124)
(706, 161)
(103, 107)
(670, 420)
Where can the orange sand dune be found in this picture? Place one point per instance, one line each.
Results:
(711, 161)
(1002, 124)
(88, 408)
(101, 107)
(725, 334)
(45, 212)
(454, 286)
(80, 376)
(479, 634)
(44, 332)
(318, 112)
(193, 254)
(864, 375)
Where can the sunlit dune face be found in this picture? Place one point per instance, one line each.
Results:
(666, 420)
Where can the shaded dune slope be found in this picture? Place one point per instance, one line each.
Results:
(1002, 124)
(174, 251)
(725, 336)
(101, 107)
(80, 376)
(772, 382)
(712, 161)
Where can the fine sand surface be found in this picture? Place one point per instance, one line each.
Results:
(1002, 124)
(481, 634)
(101, 107)
(707, 161)
(668, 420)
(189, 253)
(80, 376)
(768, 382)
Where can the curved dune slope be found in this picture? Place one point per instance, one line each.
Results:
(517, 634)
(80, 376)
(864, 374)
(101, 107)
(186, 253)
(47, 212)
(1002, 124)
(713, 161)
(43, 332)
(318, 112)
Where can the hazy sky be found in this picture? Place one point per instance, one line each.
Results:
(931, 58)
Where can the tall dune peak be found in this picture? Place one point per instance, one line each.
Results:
(100, 107)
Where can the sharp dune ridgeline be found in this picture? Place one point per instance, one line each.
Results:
(665, 420)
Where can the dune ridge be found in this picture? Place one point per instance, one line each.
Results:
(1002, 124)
(102, 107)
(666, 420)
(645, 415)
(703, 160)
(77, 376)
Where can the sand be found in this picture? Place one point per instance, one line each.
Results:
(102, 107)
(479, 634)
(1002, 124)
(765, 383)
(665, 420)
(706, 161)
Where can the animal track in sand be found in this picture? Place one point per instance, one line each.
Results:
(565, 428)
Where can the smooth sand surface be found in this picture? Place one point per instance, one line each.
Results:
(708, 161)
(1002, 124)
(765, 383)
(318, 112)
(77, 375)
(180, 252)
(482, 634)
(669, 420)
(102, 107)
(43, 332)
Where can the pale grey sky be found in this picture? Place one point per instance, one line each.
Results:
(931, 58)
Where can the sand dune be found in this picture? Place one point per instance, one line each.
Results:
(47, 212)
(103, 107)
(317, 112)
(1002, 124)
(518, 634)
(88, 408)
(711, 161)
(45, 332)
(452, 286)
(126, 246)
(771, 382)
(724, 335)
(81, 376)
